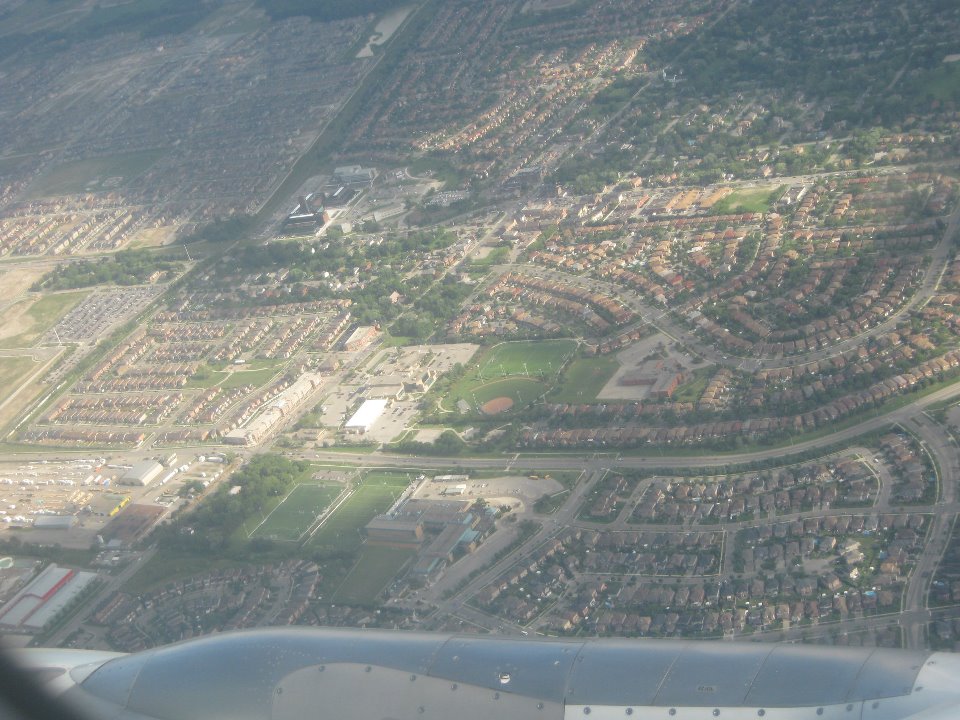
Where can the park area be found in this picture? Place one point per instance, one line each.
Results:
(510, 375)
(538, 358)
(751, 199)
(297, 512)
(583, 379)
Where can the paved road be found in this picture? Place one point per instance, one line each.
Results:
(594, 461)
(944, 450)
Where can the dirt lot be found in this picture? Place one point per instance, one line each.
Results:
(15, 320)
(516, 491)
(153, 237)
(15, 281)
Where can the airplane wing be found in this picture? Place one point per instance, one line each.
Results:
(328, 674)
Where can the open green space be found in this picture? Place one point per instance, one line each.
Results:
(496, 256)
(374, 570)
(13, 370)
(94, 174)
(12, 162)
(583, 379)
(519, 389)
(297, 512)
(40, 317)
(528, 358)
(749, 200)
(548, 504)
(943, 82)
(693, 387)
(373, 495)
(521, 371)
(238, 378)
(436, 169)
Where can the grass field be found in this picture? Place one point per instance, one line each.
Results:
(525, 358)
(519, 389)
(522, 371)
(372, 496)
(14, 369)
(748, 200)
(27, 324)
(496, 256)
(93, 174)
(583, 379)
(692, 389)
(374, 570)
(942, 82)
(244, 377)
(297, 512)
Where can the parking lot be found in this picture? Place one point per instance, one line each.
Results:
(99, 312)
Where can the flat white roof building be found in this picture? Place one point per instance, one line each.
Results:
(141, 473)
(39, 602)
(364, 418)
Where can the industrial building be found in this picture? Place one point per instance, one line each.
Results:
(142, 474)
(54, 522)
(365, 418)
(47, 594)
(352, 176)
(454, 528)
(307, 216)
(384, 530)
(340, 197)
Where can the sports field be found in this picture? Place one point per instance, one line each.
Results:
(583, 379)
(528, 358)
(754, 199)
(374, 570)
(519, 389)
(521, 371)
(297, 512)
(373, 495)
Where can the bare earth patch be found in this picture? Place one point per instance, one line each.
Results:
(153, 237)
(16, 281)
(15, 320)
(497, 405)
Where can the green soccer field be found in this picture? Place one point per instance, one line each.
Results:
(530, 358)
(373, 495)
(297, 512)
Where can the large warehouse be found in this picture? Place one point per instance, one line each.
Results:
(365, 418)
(143, 473)
(40, 601)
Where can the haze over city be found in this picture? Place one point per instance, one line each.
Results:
(560, 318)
